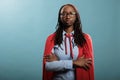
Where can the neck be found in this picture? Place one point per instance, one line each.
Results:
(69, 30)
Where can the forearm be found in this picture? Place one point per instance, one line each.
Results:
(83, 62)
(60, 65)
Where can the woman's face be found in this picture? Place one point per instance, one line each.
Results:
(68, 16)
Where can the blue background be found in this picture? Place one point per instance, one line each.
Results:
(25, 24)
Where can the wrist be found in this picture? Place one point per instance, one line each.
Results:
(74, 63)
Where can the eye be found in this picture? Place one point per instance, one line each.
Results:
(72, 13)
(64, 14)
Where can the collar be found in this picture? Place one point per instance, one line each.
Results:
(66, 32)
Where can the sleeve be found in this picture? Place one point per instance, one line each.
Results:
(60, 65)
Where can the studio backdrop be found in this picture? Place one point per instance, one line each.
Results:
(25, 25)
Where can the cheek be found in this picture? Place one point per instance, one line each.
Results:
(62, 19)
(74, 19)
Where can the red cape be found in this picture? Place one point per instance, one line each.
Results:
(81, 74)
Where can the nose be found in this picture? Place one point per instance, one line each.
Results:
(67, 16)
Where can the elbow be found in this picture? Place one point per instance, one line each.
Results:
(48, 66)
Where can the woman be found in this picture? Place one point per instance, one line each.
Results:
(68, 53)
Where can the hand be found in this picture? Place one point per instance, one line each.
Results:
(83, 62)
(51, 57)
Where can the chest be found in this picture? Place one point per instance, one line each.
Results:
(63, 52)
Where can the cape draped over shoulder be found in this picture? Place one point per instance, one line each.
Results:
(80, 73)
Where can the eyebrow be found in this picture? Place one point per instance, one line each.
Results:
(68, 12)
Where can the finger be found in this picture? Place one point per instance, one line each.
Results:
(90, 59)
(85, 67)
(83, 56)
(47, 55)
(52, 53)
(47, 60)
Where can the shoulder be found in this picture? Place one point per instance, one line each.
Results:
(51, 36)
(87, 36)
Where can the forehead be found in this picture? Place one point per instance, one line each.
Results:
(68, 8)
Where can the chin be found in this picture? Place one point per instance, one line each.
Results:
(68, 25)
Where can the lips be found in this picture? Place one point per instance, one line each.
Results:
(68, 21)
